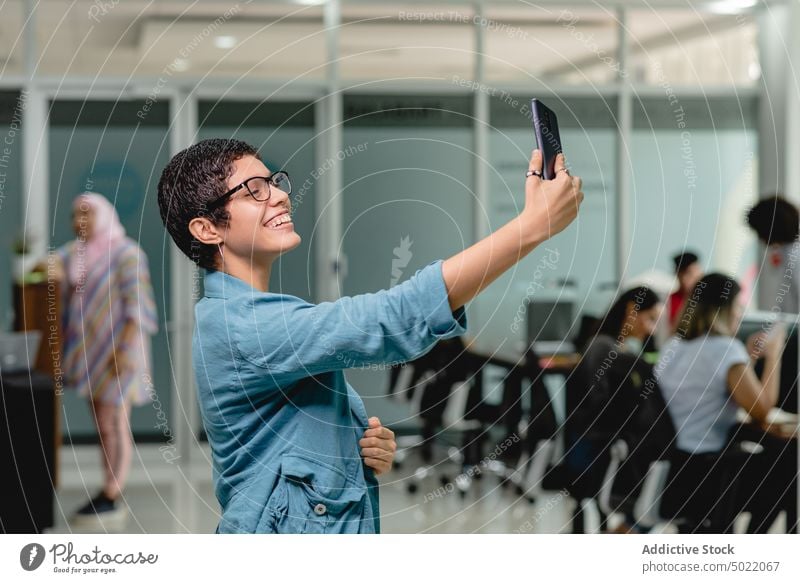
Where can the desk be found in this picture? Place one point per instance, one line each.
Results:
(559, 363)
(543, 422)
(27, 453)
(779, 423)
(37, 306)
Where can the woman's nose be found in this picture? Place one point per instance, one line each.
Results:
(278, 197)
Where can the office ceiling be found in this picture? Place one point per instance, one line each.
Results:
(287, 40)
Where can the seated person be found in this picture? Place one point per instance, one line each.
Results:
(706, 374)
(688, 271)
(604, 390)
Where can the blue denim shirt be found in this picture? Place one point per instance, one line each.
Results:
(282, 422)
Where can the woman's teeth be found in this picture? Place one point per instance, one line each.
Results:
(280, 220)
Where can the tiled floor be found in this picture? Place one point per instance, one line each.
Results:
(164, 498)
(167, 497)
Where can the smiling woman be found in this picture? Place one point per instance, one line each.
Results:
(255, 233)
(270, 366)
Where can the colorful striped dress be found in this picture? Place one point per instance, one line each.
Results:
(115, 290)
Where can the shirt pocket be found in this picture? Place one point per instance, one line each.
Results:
(243, 510)
(313, 497)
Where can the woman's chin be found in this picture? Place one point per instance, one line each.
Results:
(287, 241)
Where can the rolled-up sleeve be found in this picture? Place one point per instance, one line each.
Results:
(390, 326)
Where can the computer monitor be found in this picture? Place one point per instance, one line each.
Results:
(758, 321)
(18, 351)
(550, 323)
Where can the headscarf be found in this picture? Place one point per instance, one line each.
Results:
(107, 234)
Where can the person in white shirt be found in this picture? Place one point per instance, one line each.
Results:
(705, 374)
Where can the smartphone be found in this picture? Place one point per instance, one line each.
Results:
(545, 126)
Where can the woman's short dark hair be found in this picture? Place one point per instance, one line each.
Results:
(707, 310)
(643, 298)
(775, 220)
(194, 178)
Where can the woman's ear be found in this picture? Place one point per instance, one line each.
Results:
(205, 231)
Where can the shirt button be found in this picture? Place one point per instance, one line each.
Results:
(320, 509)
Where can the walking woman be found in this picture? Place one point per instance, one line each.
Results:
(109, 316)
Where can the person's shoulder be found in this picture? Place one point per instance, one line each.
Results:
(603, 342)
(722, 346)
(599, 346)
(737, 348)
(275, 300)
(722, 340)
(131, 245)
(130, 250)
(234, 292)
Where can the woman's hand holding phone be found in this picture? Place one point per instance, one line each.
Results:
(550, 205)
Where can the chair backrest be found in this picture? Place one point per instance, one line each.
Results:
(417, 396)
(651, 427)
(537, 466)
(619, 426)
(542, 423)
(646, 508)
(617, 454)
(456, 408)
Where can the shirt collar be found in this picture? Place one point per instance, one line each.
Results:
(218, 284)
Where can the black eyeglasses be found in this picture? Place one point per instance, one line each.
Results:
(259, 187)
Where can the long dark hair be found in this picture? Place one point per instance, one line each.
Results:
(642, 297)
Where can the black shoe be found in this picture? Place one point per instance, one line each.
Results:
(101, 512)
(97, 505)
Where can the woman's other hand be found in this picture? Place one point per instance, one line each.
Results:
(378, 447)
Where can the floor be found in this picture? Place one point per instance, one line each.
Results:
(167, 497)
(164, 495)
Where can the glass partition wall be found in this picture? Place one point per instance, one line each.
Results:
(110, 148)
(408, 145)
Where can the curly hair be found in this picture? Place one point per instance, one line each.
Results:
(775, 220)
(193, 178)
